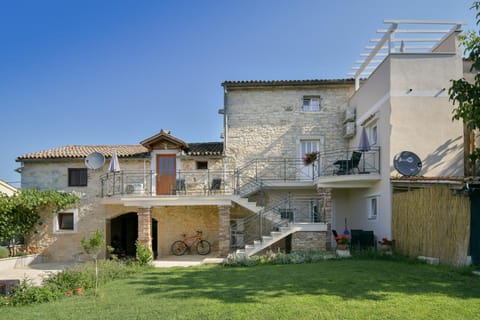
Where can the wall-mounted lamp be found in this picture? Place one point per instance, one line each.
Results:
(440, 92)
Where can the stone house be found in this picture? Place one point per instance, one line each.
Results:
(254, 190)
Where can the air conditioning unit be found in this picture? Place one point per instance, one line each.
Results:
(350, 115)
(349, 130)
(130, 188)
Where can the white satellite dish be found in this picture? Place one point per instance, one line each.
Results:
(94, 160)
(407, 163)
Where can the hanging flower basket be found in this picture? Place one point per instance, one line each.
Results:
(309, 158)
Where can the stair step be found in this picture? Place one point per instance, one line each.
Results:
(266, 239)
(284, 229)
(249, 247)
(257, 243)
(275, 234)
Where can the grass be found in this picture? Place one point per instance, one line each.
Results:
(335, 289)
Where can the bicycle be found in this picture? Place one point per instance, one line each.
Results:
(179, 247)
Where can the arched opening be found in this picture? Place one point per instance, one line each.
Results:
(123, 234)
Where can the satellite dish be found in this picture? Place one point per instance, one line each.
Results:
(94, 160)
(407, 163)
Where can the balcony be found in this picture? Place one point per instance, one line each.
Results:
(128, 183)
(330, 169)
(347, 168)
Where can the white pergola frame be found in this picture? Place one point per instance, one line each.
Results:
(423, 42)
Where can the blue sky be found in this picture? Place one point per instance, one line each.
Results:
(116, 72)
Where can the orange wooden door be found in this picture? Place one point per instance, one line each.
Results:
(165, 173)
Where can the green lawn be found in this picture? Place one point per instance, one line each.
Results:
(335, 289)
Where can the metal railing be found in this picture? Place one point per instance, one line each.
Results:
(253, 176)
(138, 183)
(281, 212)
(343, 162)
(259, 171)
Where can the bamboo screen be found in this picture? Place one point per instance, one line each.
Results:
(432, 222)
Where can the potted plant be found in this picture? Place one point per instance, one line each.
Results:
(310, 157)
(387, 245)
(342, 245)
(342, 241)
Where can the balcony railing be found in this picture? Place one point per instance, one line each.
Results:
(144, 183)
(326, 164)
(250, 177)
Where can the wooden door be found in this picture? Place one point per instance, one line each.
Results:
(165, 173)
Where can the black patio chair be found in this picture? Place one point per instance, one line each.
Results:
(347, 166)
(216, 185)
(180, 186)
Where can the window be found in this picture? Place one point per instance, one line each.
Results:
(286, 214)
(77, 177)
(372, 208)
(308, 146)
(372, 134)
(314, 213)
(311, 103)
(202, 165)
(65, 221)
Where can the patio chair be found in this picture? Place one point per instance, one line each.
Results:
(347, 166)
(180, 186)
(216, 185)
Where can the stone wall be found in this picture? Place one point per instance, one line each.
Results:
(269, 122)
(310, 241)
(174, 221)
(92, 215)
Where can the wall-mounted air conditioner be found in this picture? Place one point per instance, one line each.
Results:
(349, 130)
(350, 115)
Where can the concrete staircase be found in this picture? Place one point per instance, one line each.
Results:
(266, 241)
(250, 205)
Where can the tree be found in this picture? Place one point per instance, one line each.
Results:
(20, 212)
(93, 247)
(467, 96)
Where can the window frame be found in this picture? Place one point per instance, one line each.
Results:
(373, 134)
(201, 165)
(286, 213)
(372, 207)
(310, 107)
(76, 174)
(57, 220)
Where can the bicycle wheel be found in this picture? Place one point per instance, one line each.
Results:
(203, 247)
(178, 248)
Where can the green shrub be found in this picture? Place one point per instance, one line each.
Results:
(56, 285)
(27, 293)
(295, 257)
(4, 253)
(65, 280)
(144, 254)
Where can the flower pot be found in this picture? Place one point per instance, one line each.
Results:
(342, 247)
(78, 291)
(343, 253)
(69, 293)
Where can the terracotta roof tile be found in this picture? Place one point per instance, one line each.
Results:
(262, 83)
(205, 149)
(81, 151)
(123, 151)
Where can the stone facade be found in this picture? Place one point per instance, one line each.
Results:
(310, 241)
(266, 122)
(261, 122)
(173, 221)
